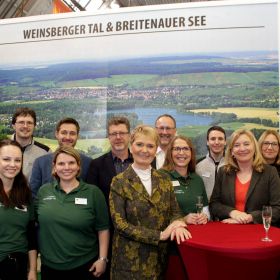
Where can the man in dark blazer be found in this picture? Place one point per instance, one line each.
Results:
(103, 169)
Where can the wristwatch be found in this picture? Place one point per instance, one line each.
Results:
(104, 259)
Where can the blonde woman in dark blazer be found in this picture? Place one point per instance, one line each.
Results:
(245, 183)
(144, 212)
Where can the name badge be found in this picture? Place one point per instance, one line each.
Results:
(80, 201)
(175, 183)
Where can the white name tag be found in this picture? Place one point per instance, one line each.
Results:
(175, 183)
(80, 201)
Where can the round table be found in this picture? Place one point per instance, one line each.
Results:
(229, 251)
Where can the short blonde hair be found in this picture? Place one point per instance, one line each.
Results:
(68, 151)
(263, 136)
(144, 130)
(231, 163)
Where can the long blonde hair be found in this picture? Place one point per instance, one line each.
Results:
(231, 163)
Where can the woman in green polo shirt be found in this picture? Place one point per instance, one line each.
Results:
(17, 226)
(73, 223)
(188, 186)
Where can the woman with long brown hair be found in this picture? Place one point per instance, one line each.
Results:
(188, 186)
(17, 231)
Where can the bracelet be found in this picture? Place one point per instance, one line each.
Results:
(104, 259)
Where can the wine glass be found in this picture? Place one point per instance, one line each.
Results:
(199, 204)
(266, 216)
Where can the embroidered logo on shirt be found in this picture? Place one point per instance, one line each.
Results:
(23, 209)
(49, 197)
(206, 174)
(179, 191)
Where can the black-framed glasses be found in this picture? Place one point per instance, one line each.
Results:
(274, 145)
(120, 134)
(179, 149)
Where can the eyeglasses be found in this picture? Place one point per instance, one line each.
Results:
(22, 123)
(120, 134)
(162, 128)
(274, 145)
(179, 149)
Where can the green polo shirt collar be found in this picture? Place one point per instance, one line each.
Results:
(176, 175)
(58, 188)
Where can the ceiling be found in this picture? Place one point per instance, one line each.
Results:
(21, 8)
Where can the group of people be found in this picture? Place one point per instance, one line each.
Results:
(116, 216)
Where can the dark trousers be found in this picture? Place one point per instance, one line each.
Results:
(79, 273)
(14, 267)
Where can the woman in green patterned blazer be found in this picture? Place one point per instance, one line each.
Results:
(144, 212)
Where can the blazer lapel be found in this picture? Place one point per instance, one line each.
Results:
(110, 167)
(155, 185)
(136, 183)
(254, 180)
(231, 186)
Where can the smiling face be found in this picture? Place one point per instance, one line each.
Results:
(181, 153)
(216, 143)
(243, 149)
(118, 137)
(66, 167)
(24, 127)
(270, 148)
(10, 162)
(67, 135)
(166, 130)
(143, 150)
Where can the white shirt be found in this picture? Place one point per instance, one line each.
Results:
(160, 158)
(145, 177)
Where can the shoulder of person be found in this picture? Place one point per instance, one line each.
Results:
(84, 156)
(101, 158)
(267, 168)
(46, 187)
(162, 171)
(42, 146)
(200, 160)
(44, 158)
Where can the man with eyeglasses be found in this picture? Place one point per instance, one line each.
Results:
(23, 123)
(166, 128)
(67, 134)
(103, 169)
(208, 166)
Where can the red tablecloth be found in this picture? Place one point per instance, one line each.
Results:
(225, 251)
